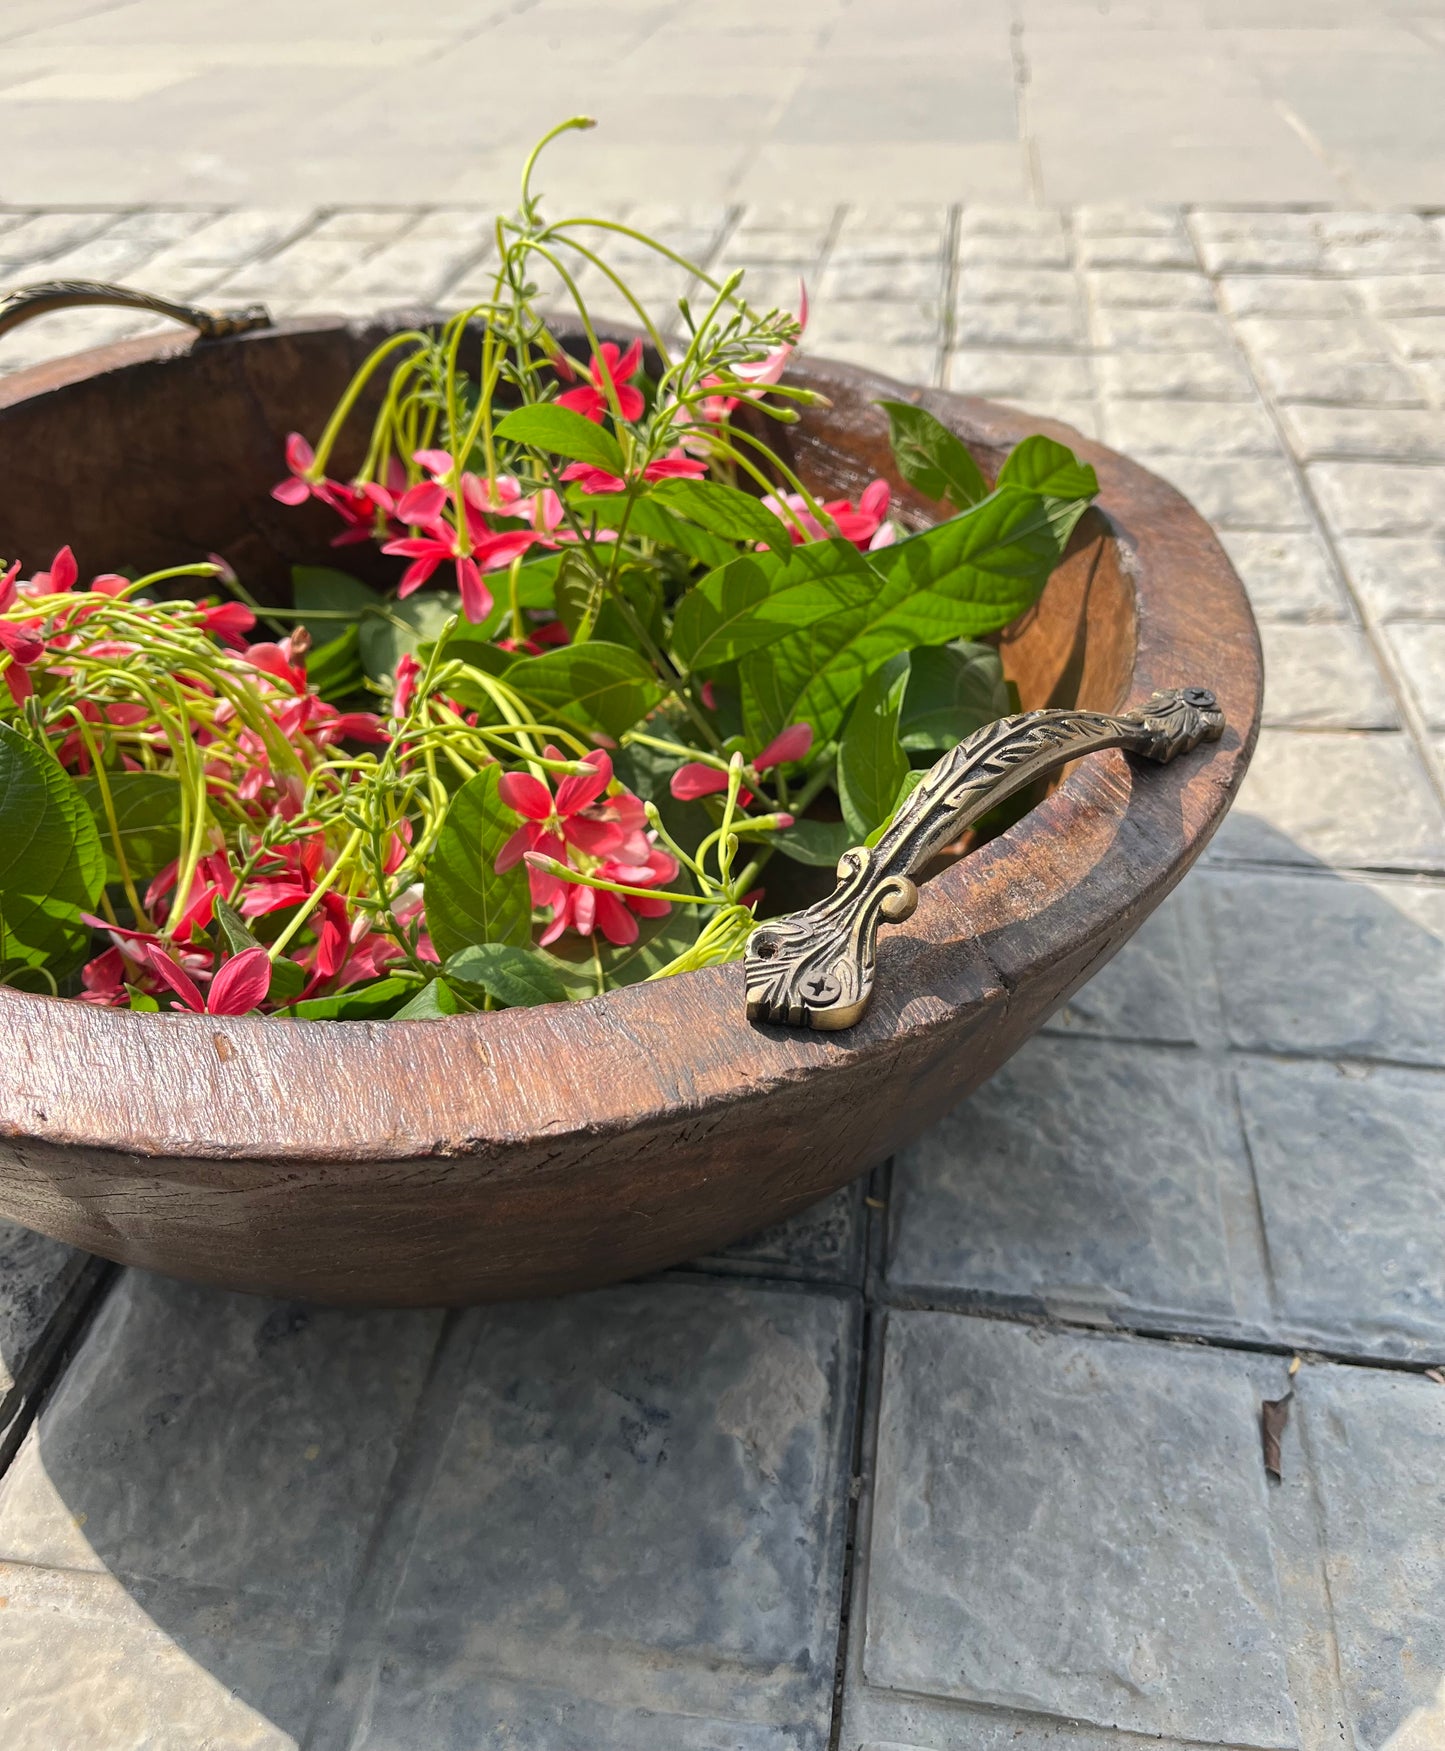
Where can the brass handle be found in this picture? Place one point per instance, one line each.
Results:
(30, 301)
(815, 968)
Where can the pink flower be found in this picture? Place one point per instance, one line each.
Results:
(229, 622)
(359, 506)
(576, 906)
(609, 369)
(863, 524)
(20, 645)
(61, 577)
(695, 778)
(585, 829)
(239, 985)
(299, 486)
(674, 466)
(571, 817)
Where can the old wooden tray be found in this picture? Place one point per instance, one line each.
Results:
(532, 1151)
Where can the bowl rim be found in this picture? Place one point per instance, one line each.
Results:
(269, 1090)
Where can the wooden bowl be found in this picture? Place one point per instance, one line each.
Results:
(538, 1150)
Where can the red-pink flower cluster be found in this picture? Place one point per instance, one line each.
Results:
(596, 833)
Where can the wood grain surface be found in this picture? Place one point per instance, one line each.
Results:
(537, 1150)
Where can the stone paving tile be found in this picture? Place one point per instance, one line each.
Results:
(823, 1244)
(1334, 337)
(1167, 249)
(1311, 377)
(1420, 652)
(1075, 1528)
(1397, 578)
(1323, 677)
(1144, 991)
(1374, 1443)
(631, 1535)
(1166, 331)
(1096, 1182)
(1404, 434)
(1380, 498)
(224, 1459)
(1193, 428)
(1008, 374)
(42, 1285)
(1351, 1173)
(1284, 295)
(1204, 376)
(1321, 964)
(1234, 492)
(1356, 802)
(1288, 576)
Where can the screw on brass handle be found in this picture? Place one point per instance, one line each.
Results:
(816, 968)
(30, 301)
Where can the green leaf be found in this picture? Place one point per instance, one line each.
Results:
(392, 630)
(147, 809)
(647, 520)
(517, 977)
(579, 597)
(565, 433)
(52, 865)
(930, 457)
(37, 930)
(596, 685)
(237, 933)
(288, 980)
(361, 1003)
(967, 576)
(435, 999)
(953, 690)
(334, 669)
(759, 598)
(466, 900)
(820, 843)
(871, 761)
(319, 594)
(725, 510)
(1043, 466)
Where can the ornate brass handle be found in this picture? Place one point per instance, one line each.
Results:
(815, 968)
(30, 301)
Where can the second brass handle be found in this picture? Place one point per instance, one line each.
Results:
(40, 300)
(816, 968)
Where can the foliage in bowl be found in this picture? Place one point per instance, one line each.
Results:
(629, 661)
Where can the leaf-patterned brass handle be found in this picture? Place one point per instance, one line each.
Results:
(816, 968)
(30, 301)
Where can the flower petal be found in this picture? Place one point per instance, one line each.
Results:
(695, 779)
(526, 794)
(166, 970)
(792, 744)
(241, 984)
(578, 789)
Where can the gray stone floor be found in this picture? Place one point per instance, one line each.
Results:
(970, 1457)
(849, 100)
